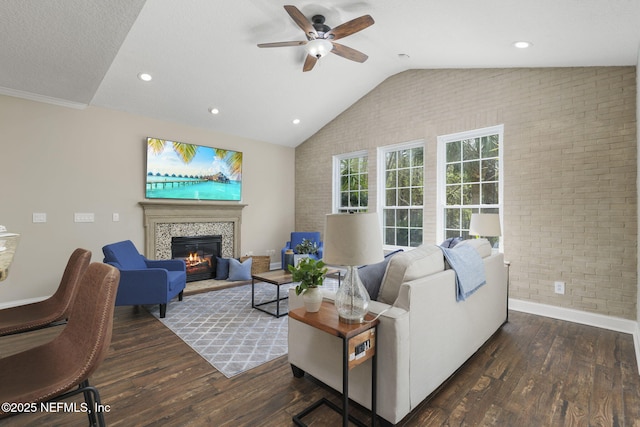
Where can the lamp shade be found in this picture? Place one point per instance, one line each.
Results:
(486, 225)
(352, 239)
(8, 245)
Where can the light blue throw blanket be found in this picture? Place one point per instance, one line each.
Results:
(469, 269)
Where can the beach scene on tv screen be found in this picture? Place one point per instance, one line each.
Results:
(176, 170)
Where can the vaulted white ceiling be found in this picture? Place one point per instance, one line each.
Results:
(202, 54)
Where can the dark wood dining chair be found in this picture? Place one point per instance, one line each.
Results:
(61, 368)
(55, 308)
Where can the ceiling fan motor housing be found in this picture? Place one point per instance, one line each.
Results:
(319, 25)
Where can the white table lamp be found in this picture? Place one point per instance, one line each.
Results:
(485, 225)
(352, 240)
(8, 245)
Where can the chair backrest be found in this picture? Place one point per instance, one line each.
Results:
(74, 355)
(125, 254)
(66, 293)
(298, 236)
(83, 343)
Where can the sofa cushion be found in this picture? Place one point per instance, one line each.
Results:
(409, 265)
(481, 245)
(371, 275)
(239, 270)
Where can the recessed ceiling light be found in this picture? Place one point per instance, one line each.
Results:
(522, 44)
(145, 77)
(296, 121)
(214, 110)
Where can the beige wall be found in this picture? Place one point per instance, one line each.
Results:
(570, 198)
(638, 185)
(59, 161)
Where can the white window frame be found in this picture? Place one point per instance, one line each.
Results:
(381, 178)
(441, 184)
(335, 208)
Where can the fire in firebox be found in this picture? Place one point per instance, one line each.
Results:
(197, 264)
(199, 254)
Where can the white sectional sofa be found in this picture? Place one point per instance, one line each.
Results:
(424, 335)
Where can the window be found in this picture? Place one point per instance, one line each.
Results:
(351, 182)
(469, 179)
(401, 194)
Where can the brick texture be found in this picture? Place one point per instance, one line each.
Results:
(570, 199)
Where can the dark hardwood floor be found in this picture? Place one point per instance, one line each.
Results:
(534, 372)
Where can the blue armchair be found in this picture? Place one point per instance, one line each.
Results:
(144, 281)
(296, 239)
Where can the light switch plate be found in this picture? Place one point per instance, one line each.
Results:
(83, 217)
(39, 217)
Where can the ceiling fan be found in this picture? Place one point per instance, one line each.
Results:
(320, 37)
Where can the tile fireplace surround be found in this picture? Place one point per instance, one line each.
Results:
(166, 219)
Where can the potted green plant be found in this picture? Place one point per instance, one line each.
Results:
(306, 247)
(310, 273)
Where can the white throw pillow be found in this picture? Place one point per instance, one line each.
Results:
(407, 266)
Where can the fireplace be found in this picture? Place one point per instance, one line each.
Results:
(199, 253)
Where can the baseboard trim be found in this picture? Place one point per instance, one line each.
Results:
(585, 318)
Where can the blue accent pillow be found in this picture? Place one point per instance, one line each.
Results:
(371, 275)
(222, 268)
(239, 270)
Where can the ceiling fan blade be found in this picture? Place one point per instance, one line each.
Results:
(350, 27)
(282, 44)
(348, 53)
(302, 21)
(309, 62)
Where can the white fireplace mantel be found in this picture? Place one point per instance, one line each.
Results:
(159, 213)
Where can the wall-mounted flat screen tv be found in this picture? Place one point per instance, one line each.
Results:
(176, 170)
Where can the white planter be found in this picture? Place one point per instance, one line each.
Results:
(298, 257)
(312, 298)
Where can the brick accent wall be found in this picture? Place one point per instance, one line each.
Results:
(570, 198)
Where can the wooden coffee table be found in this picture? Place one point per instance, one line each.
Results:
(277, 278)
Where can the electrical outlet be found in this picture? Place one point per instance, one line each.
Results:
(115, 217)
(559, 287)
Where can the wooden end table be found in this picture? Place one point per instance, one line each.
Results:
(358, 345)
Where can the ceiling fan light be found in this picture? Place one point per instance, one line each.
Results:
(318, 47)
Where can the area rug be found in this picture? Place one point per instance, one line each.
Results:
(201, 286)
(222, 327)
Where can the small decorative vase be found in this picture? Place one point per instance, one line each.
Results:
(288, 260)
(312, 298)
